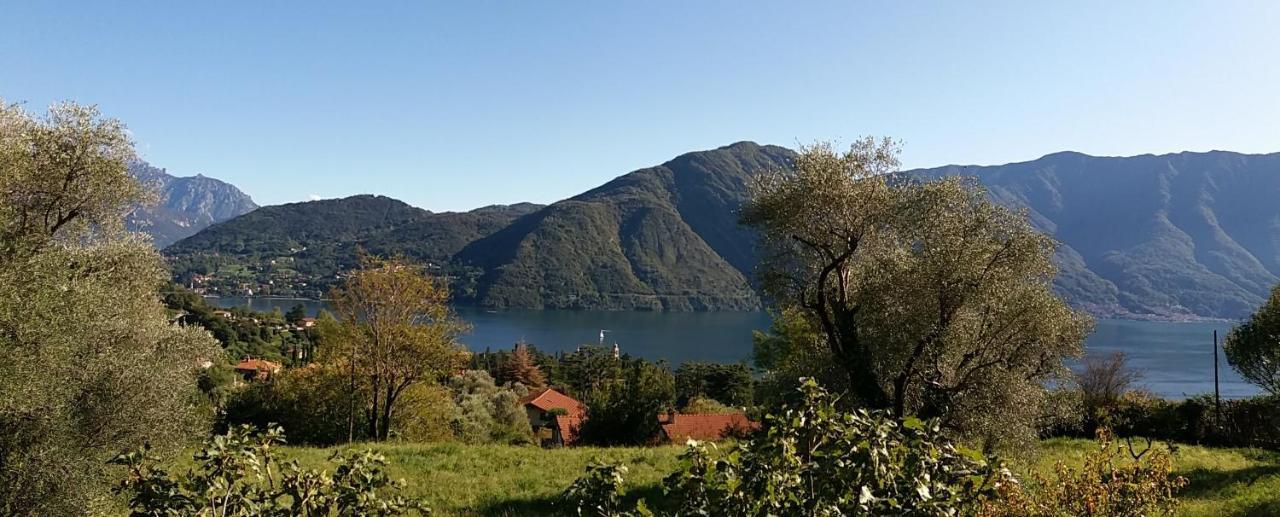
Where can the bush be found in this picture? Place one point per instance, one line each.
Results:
(624, 411)
(1108, 484)
(314, 401)
(598, 492)
(812, 459)
(487, 413)
(1253, 422)
(239, 474)
(704, 405)
(731, 384)
(425, 415)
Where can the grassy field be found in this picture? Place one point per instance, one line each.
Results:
(503, 480)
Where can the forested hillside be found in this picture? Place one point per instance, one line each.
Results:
(662, 238)
(299, 249)
(1171, 237)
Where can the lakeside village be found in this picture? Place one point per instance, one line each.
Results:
(298, 272)
(554, 417)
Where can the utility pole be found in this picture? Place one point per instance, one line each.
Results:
(1217, 395)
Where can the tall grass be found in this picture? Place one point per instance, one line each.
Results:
(458, 479)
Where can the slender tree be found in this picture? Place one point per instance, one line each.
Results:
(395, 330)
(934, 300)
(520, 367)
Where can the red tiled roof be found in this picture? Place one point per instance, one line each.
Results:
(568, 427)
(257, 365)
(681, 427)
(549, 399)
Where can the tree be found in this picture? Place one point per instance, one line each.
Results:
(487, 413)
(296, 313)
(395, 329)
(932, 299)
(1103, 382)
(520, 367)
(588, 368)
(624, 410)
(89, 363)
(1253, 347)
(727, 383)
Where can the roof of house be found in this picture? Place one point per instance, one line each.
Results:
(568, 427)
(257, 365)
(549, 399)
(705, 426)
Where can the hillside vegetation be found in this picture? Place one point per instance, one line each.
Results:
(458, 479)
(299, 249)
(1175, 235)
(1170, 237)
(662, 238)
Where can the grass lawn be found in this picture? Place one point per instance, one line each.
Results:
(1222, 482)
(458, 479)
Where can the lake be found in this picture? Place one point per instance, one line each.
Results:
(1176, 358)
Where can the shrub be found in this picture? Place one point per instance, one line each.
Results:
(425, 415)
(707, 405)
(1108, 484)
(624, 411)
(239, 474)
(731, 384)
(812, 459)
(487, 413)
(597, 492)
(315, 401)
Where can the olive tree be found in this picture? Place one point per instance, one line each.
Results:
(1253, 347)
(932, 299)
(395, 329)
(89, 363)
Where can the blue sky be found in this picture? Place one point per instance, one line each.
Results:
(459, 105)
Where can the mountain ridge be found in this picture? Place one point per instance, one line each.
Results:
(1173, 236)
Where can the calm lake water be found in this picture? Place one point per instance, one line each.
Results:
(1176, 358)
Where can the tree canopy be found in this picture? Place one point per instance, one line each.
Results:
(1253, 347)
(933, 300)
(89, 362)
(395, 329)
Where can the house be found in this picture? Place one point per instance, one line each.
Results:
(555, 417)
(222, 314)
(306, 323)
(681, 427)
(251, 369)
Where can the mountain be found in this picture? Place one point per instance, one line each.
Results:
(1172, 236)
(1175, 236)
(299, 249)
(185, 205)
(661, 238)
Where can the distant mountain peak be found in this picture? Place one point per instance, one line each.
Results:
(185, 205)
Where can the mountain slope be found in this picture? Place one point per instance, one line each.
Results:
(299, 249)
(1171, 236)
(185, 205)
(662, 238)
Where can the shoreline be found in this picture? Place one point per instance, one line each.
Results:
(1157, 318)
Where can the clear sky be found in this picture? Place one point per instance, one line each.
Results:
(454, 106)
